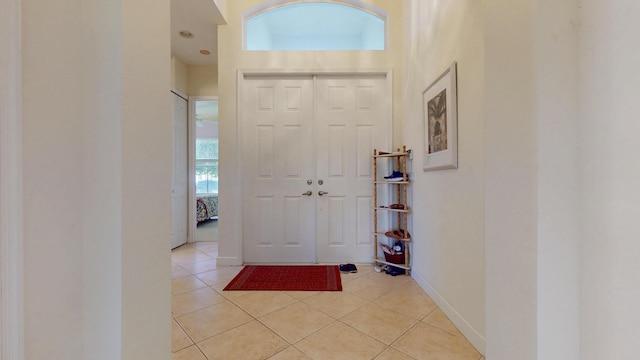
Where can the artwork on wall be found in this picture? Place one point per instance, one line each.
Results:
(441, 122)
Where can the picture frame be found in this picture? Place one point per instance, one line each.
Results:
(440, 111)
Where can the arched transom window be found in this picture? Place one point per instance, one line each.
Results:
(315, 26)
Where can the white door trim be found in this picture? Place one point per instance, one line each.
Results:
(11, 225)
(191, 130)
(241, 75)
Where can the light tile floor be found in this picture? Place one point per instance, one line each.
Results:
(376, 316)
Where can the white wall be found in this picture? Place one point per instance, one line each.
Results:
(232, 58)
(558, 247)
(146, 180)
(511, 179)
(101, 178)
(96, 232)
(448, 205)
(53, 187)
(609, 178)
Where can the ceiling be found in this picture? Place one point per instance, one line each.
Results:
(201, 18)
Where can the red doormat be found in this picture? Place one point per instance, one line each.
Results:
(287, 277)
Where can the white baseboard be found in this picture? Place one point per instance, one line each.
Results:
(475, 338)
(228, 261)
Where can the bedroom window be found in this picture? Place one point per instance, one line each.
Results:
(207, 166)
(206, 135)
(315, 26)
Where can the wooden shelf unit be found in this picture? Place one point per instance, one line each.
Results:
(399, 163)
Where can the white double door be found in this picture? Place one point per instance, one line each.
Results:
(307, 172)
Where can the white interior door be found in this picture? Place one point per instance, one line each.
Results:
(311, 134)
(179, 184)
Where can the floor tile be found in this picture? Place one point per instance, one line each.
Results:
(201, 266)
(296, 321)
(206, 246)
(249, 341)
(373, 286)
(188, 257)
(339, 341)
(301, 295)
(290, 353)
(393, 354)
(213, 320)
(381, 323)
(259, 303)
(220, 276)
(424, 341)
(190, 353)
(179, 339)
(363, 270)
(194, 300)
(186, 284)
(438, 319)
(408, 299)
(372, 311)
(178, 271)
(335, 303)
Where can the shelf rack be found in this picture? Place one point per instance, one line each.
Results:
(399, 161)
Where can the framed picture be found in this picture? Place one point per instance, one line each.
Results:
(440, 107)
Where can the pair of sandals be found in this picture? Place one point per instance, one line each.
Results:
(398, 234)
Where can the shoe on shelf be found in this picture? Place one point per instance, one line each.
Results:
(395, 176)
(398, 234)
(397, 206)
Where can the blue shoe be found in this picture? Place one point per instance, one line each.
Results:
(395, 176)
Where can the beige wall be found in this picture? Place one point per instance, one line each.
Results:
(448, 205)
(179, 75)
(96, 273)
(203, 81)
(193, 80)
(232, 58)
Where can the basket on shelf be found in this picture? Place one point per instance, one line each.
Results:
(396, 258)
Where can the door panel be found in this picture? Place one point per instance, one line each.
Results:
(277, 127)
(352, 119)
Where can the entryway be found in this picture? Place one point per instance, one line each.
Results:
(307, 141)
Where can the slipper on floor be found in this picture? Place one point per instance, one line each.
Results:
(348, 268)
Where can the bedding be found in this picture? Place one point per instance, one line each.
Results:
(206, 207)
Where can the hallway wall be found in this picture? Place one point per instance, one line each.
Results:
(96, 180)
(609, 173)
(448, 205)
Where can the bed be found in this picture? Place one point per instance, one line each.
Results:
(206, 207)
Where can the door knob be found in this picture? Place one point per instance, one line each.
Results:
(322, 192)
(308, 193)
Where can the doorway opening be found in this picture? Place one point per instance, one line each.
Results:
(205, 167)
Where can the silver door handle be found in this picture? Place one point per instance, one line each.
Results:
(308, 193)
(322, 192)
